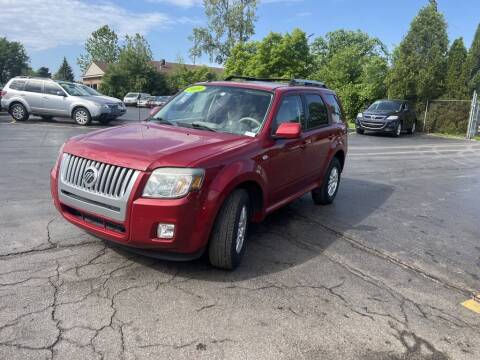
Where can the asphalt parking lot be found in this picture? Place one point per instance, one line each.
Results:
(380, 274)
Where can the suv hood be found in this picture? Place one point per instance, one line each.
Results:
(109, 99)
(145, 146)
(380, 113)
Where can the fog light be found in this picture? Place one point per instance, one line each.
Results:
(165, 231)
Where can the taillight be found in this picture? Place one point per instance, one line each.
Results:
(3, 93)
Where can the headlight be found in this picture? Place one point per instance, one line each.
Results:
(392, 117)
(359, 115)
(172, 183)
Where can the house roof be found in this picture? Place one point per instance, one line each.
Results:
(161, 65)
(170, 67)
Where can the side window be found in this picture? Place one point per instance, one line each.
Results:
(317, 111)
(17, 85)
(335, 109)
(34, 86)
(51, 89)
(291, 110)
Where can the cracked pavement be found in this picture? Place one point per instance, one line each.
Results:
(378, 275)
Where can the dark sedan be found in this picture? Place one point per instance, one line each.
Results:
(387, 116)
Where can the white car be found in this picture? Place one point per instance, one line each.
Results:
(132, 99)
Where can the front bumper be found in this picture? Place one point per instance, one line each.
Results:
(385, 126)
(138, 230)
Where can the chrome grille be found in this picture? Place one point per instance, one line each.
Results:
(112, 181)
(372, 125)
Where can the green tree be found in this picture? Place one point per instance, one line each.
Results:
(419, 62)
(276, 56)
(185, 75)
(133, 71)
(65, 71)
(353, 64)
(456, 79)
(43, 72)
(13, 60)
(229, 22)
(101, 46)
(473, 61)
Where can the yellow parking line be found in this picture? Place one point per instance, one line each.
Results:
(473, 304)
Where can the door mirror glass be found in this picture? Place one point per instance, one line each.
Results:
(60, 93)
(288, 130)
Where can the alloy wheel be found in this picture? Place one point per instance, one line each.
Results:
(332, 182)
(81, 117)
(18, 112)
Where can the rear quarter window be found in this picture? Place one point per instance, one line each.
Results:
(17, 85)
(335, 109)
(317, 111)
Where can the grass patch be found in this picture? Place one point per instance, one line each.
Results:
(351, 125)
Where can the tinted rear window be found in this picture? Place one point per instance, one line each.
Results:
(17, 85)
(34, 86)
(335, 109)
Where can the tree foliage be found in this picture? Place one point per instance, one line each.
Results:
(419, 63)
(43, 72)
(473, 63)
(229, 22)
(276, 56)
(13, 60)
(133, 71)
(354, 65)
(101, 46)
(65, 71)
(456, 78)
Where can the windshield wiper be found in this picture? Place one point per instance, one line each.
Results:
(200, 125)
(162, 121)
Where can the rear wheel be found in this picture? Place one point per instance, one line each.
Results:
(19, 112)
(414, 128)
(229, 235)
(326, 193)
(82, 116)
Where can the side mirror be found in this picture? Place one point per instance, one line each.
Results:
(61, 93)
(155, 110)
(288, 130)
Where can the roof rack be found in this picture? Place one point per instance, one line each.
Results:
(291, 82)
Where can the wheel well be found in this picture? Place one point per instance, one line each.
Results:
(78, 107)
(340, 155)
(13, 103)
(255, 194)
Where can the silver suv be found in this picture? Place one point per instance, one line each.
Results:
(24, 96)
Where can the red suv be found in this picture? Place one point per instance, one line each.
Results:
(218, 156)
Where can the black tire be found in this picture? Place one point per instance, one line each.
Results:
(222, 251)
(360, 131)
(396, 133)
(321, 195)
(46, 117)
(104, 121)
(413, 128)
(82, 116)
(19, 112)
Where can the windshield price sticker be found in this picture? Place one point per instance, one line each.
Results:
(195, 89)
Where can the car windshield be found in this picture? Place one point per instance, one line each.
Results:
(74, 89)
(131, 95)
(91, 91)
(217, 108)
(385, 106)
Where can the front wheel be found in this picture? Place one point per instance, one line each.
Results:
(104, 121)
(82, 116)
(360, 131)
(326, 193)
(229, 234)
(398, 130)
(19, 112)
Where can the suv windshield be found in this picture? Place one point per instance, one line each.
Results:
(74, 89)
(217, 108)
(385, 105)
